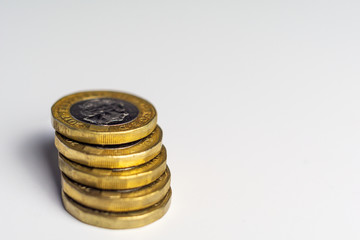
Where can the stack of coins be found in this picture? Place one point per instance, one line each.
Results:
(113, 163)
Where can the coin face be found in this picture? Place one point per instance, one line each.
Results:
(104, 111)
(103, 117)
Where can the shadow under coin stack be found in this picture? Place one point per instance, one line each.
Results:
(113, 163)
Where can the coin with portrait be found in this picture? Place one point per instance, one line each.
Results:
(103, 117)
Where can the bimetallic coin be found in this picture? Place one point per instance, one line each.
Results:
(111, 156)
(103, 117)
(117, 220)
(118, 200)
(121, 178)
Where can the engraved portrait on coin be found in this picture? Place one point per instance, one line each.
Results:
(104, 111)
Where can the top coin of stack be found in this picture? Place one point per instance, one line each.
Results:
(113, 163)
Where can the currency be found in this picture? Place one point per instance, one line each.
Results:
(112, 159)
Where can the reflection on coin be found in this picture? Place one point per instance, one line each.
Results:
(103, 117)
(118, 200)
(111, 156)
(121, 178)
(117, 220)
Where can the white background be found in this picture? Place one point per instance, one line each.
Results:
(258, 100)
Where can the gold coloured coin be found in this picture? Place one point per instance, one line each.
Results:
(115, 178)
(117, 220)
(103, 117)
(111, 156)
(118, 200)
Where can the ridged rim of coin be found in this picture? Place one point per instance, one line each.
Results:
(117, 220)
(118, 200)
(122, 178)
(113, 156)
(139, 127)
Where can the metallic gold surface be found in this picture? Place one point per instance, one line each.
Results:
(117, 220)
(115, 178)
(64, 123)
(117, 156)
(118, 200)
